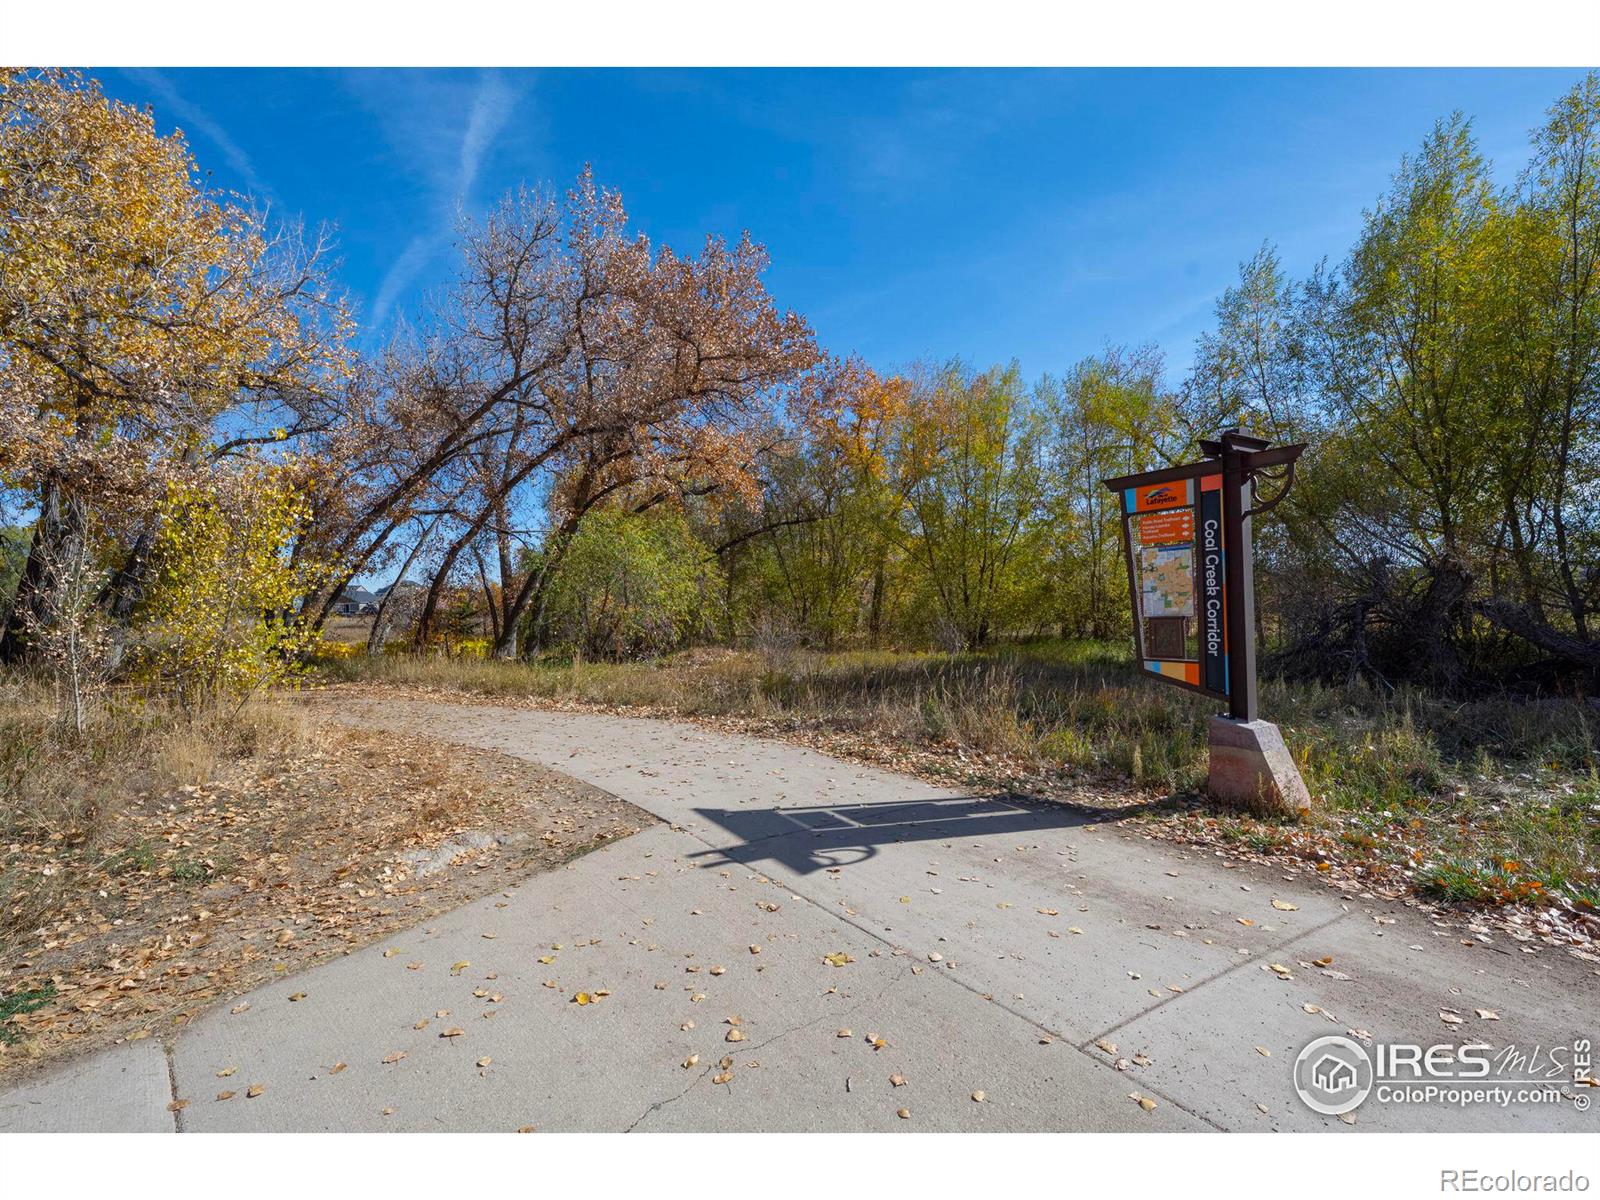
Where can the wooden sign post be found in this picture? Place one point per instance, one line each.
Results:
(1186, 537)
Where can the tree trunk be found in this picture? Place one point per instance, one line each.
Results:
(1520, 620)
(1425, 632)
(57, 534)
(123, 593)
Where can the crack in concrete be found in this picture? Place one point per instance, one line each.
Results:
(1233, 968)
(168, 1045)
(894, 978)
(874, 935)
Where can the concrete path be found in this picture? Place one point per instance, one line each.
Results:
(993, 947)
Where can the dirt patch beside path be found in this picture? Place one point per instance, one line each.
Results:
(277, 863)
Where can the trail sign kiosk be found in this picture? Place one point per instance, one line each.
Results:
(1186, 538)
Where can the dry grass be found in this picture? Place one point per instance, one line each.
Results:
(74, 791)
(60, 786)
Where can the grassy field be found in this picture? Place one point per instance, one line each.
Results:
(1491, 799)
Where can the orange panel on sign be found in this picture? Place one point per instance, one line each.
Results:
(1163, 528)
(1161, 495)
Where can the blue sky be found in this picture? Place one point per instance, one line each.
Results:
(911, 214)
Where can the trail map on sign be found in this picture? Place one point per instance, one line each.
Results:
(1166, 580)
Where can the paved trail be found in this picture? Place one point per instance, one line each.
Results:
(962, 916)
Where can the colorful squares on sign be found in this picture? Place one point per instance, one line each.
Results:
(1183, 672)
(1148, 497)
(1211, 483)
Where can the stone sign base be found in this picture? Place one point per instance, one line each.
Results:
(1252, 768)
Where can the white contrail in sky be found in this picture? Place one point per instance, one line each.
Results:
(197, 119)
(492, 105)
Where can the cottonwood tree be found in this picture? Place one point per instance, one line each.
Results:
(1400, 338)
(148, 328)
(218, 623)
(1455, 418)
(630, 583)
(574, 364)
(816, 563)
(1248, 371)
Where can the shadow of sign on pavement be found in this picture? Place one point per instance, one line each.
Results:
(824, 837)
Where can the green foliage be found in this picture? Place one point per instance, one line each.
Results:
(1106, 417)
(14, 541)
(630, 584)
(1444, 525)
(25, 1000)
(220, 621)
(818, 575)
(972, 481)
(1450, 495)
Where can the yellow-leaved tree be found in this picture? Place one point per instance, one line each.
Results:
(220, 621)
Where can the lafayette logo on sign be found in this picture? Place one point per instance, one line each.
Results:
(1159, 495)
